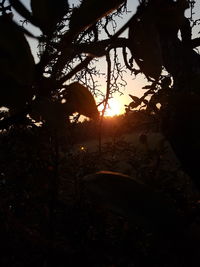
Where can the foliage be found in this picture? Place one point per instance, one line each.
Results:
(81, 229)
(47, 14)
(69, 49)
(13, 82)
(42, 208)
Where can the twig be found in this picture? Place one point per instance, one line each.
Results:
(106, 100)
(64, 56)
(74, 71)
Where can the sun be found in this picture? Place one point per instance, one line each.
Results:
(113, 108)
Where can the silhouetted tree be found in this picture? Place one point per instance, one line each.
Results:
(71, 41)
(63, 82)
(153, 40)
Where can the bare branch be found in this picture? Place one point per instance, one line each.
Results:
(106, 99)
(195, 42)
(74, 71)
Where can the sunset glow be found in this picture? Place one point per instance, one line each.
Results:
(114, 108)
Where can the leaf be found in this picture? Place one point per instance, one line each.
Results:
(135, 98)
(130, 198)
(147, 87)
(90, 11)
(145, 45)
(134, 104)
(48, 13)
(15, 50)
(16, 64)
(80, 99)
(55, 113)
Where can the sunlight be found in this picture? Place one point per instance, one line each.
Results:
(114, 108)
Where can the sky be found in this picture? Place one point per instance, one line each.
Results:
(134, 85)
(120, 100)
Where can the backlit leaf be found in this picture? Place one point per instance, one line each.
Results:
(80, 99)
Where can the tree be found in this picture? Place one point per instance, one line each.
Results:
(69, 47)
(159, 45)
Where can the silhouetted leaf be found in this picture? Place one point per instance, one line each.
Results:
(147, 87)
(135, 98)
(48, 13)
(128, 197)
(134, 104)
(16, 63)
(145, 46)
(90, 11)
(80, 99)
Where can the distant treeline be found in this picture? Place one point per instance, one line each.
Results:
(115, 126)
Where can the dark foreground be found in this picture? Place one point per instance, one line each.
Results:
(45, 221)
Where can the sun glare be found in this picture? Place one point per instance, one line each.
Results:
(113, 108)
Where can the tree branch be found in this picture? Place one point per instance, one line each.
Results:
(98, 49)
(195, 42)
(67, 52)
(106, 99)
(78, 68)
